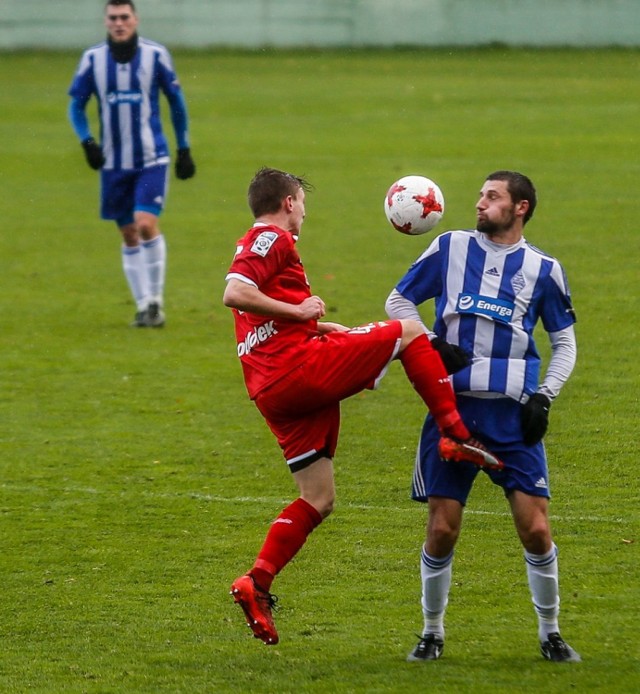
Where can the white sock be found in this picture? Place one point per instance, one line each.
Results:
(436, 581)
(154, 253)
(542, 572)
(136, 275)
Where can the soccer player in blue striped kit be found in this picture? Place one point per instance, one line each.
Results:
(490, 287)
(126, 74)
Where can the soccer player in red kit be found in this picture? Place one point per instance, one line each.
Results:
(297, 370)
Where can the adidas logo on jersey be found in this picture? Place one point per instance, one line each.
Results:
(541, 483)
(493, 272)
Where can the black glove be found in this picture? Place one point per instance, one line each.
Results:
(93, 153)
(453, 357)
(185, 168)
(535, 418)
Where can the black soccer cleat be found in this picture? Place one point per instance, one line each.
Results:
(555, 648)
(429, 647)
(140, 320)
(155, 316)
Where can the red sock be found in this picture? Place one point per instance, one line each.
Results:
(428, 376)
(288, 532)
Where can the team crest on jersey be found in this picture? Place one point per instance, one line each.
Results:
(518, 282)
(263, 243)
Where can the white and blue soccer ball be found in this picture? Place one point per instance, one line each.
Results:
(414, 205)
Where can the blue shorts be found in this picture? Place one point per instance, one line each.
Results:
(137, 190)
(497, 424)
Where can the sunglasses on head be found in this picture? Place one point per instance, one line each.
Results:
(116, 17)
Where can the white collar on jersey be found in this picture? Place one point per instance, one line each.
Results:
(497, 247)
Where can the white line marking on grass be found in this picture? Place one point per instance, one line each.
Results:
(272, 501)
(376, 507)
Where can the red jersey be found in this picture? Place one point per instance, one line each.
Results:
(269, 347)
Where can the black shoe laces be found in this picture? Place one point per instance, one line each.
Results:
(558, 644)
(428, 640)
(269, 598)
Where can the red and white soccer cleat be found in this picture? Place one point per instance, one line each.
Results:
(469, 451)
(256, 604)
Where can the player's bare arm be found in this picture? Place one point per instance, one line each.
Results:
(246, 297)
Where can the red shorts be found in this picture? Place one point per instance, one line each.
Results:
(302, 408)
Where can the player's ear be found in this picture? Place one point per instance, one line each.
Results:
(522, 208)
(287, 203)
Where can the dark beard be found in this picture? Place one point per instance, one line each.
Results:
(123, 51)
(487, 227)
(492, 228)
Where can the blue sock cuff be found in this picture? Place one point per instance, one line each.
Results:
(435, 563)
(541, 559)
(151, 243)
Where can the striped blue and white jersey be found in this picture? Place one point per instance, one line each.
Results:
(488, 298)
(129, 105)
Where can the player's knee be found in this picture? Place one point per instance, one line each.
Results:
(146, 225)
(147, 230)
(323, 503)
(327, 510)
(130, 235)
(442, 536)
(536, 538)
(327, 504)
(410, 330)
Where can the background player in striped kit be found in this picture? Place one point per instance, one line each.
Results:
(126, 73)
(490, 288)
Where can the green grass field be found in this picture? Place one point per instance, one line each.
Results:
(137, 480)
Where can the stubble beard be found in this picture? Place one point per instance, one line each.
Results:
(487, 227)
(491, 228)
